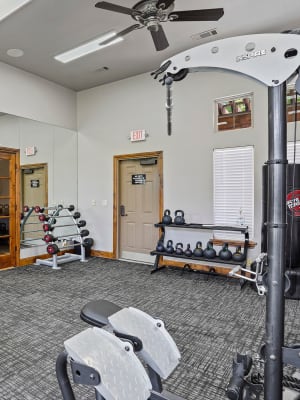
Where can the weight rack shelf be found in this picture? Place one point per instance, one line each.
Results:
(205, 226)
(213, 260)
(159, 255)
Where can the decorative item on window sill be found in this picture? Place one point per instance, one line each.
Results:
(241, 218)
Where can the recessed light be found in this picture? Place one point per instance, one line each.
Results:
(15, 53)
(7, 7)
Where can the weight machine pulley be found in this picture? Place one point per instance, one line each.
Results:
(271, 59)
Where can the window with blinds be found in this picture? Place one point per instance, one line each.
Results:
(290, 152)
(233, 170)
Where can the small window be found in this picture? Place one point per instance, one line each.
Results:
(234, 112)
(292, 109)
(233, 171)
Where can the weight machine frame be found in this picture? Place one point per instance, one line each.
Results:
(271, 59)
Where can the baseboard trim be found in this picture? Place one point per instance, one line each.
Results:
(32, 260)
(103, 254)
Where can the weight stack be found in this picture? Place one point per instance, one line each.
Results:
(293, 225)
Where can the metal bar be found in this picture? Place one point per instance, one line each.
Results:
(62, 376)
(24, 220)
(155, 380)
(98, 395)
(276, 226)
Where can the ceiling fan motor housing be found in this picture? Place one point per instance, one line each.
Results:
(149, 14)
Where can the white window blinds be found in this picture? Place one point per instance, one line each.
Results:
(290, 152)
(234, 188)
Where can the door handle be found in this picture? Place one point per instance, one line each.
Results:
(122, 211)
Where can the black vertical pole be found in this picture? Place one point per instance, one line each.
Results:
(276, 225)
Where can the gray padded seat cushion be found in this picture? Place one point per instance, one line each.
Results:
(96, 312)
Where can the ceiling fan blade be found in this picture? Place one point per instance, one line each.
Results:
(211, 14)
(116, 8)
(164, 4)
(159, 39)
(121, 34)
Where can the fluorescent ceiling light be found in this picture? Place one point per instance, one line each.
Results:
(89, 47)
(8, 7)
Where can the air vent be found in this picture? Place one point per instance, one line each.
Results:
(204, 34)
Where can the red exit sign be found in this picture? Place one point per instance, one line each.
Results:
(138, 135)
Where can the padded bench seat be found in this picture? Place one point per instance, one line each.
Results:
(97, 312)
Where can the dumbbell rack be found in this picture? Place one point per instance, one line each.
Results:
(56, 260)
(216, 260)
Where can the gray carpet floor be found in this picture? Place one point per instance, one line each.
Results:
(210, 319)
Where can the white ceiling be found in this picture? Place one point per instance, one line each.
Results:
(45, 28)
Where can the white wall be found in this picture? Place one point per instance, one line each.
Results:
(55, 146)
(29, 96)
(106, 114)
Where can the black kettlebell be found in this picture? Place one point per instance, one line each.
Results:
(238, 255)
(160, 246)
(167, 219)
(169, 247)
(179, 217)
(188, 252)
(198, 251)
(225, 253)
(209, 252)
(179, 249)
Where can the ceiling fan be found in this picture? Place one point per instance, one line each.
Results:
(151, 13)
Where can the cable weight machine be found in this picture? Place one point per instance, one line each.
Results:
(271, 59)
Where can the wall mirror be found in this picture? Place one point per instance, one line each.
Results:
(48, 167)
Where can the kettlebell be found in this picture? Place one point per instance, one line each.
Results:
(179, 217)
(238, 255)
(179, 249)
(225, 253)
(169, 247)
(160, 246)
(209, 252)
(198, 252)
(167, 219)
(188, 252)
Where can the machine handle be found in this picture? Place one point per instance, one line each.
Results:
(122, 211)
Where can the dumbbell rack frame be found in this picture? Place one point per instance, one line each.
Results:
(216, 260)
(56, 260)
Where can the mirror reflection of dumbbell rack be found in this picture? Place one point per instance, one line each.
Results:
(61, 233)
(64, 242)
(158, 265)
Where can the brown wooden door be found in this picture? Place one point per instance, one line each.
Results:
(8, 208)
(138, 210)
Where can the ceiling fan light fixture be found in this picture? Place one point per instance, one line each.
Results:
(99, 43)
(8, 7)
